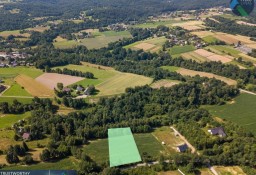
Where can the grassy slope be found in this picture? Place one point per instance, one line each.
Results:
(241, 112)
(16, 90)
(171, 68)
(14, 71)
(10, 100)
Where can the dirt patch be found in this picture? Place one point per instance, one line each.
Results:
(163, 83)
(234, 170)
(245, 23)
(187, 72)
(145, 46)
(50, 80)
(34, 87)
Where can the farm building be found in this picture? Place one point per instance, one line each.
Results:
(217, 131)
(26, 136)
(182, 148)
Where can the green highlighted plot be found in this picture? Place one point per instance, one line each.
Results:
(122, 147)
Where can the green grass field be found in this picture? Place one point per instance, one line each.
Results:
(7, 120)
(98, 150)
(181, 49)
(65, 164)
(10, 100)
(242, 111)
(170, 68)
(101, 39)
(14, 71)
(16, 90)
(210, 39)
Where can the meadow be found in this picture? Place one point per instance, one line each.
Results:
(7, 120)
(98, 149)
(154, 24)
(16, 90)
(241, 111)
(108, 80)
(176, 50)
(100, 39)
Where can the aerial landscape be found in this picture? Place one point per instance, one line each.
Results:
(125, 87)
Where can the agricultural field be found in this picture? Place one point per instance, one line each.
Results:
(194, 56)
(187, 72)
(210, 39)
(177, 50)
(50, 80)
(100, 39)
(190, 25)
(15, 33)
(98, 149)
(150, 44)
(108, 80)
(164, 83)
(214, 57)
(230, 170)
(16, 90)
(118, 83)
(228, 50)
(154, 24)
(7, 120)
(9, 100)
(34, 87)
(241, 111)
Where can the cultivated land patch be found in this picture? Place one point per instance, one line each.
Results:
(15, 33)
(203, 34)
(190, 25)
(194, 56)
(187, 72)
(16, 90)
(34, 87)
(145, 46)
(229, 170)
(176, 50)
(242, 111)
(122, 147)
(150, 44)
(50, 80)
(118, 83)
(169, 173)
(7, 120)
(164, 83)
(214, 57)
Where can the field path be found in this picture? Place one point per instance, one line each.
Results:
(248, 92)
(193, 149)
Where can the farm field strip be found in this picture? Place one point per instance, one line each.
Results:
(33, 87)
(50, 80)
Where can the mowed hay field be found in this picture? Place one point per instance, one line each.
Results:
(34, 87)
(214, 57)
(164, 83)
(187, 72)
(190, 25)
(118, 83)
(229, 170)
(177, 50)
(150, 44)
(50, 80)
(241, 111)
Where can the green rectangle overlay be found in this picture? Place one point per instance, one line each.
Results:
(122, 147)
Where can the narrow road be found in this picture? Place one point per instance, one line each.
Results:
(248, 92)
(193, 149)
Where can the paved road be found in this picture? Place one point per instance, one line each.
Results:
(248, 92)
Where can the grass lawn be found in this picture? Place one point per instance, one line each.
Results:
(14, 71)
(10, 100)
(16, 90)
(181, 49)
(65, 164)
(7, 120)
(98, 149)
(171, 68)
(242, 111)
